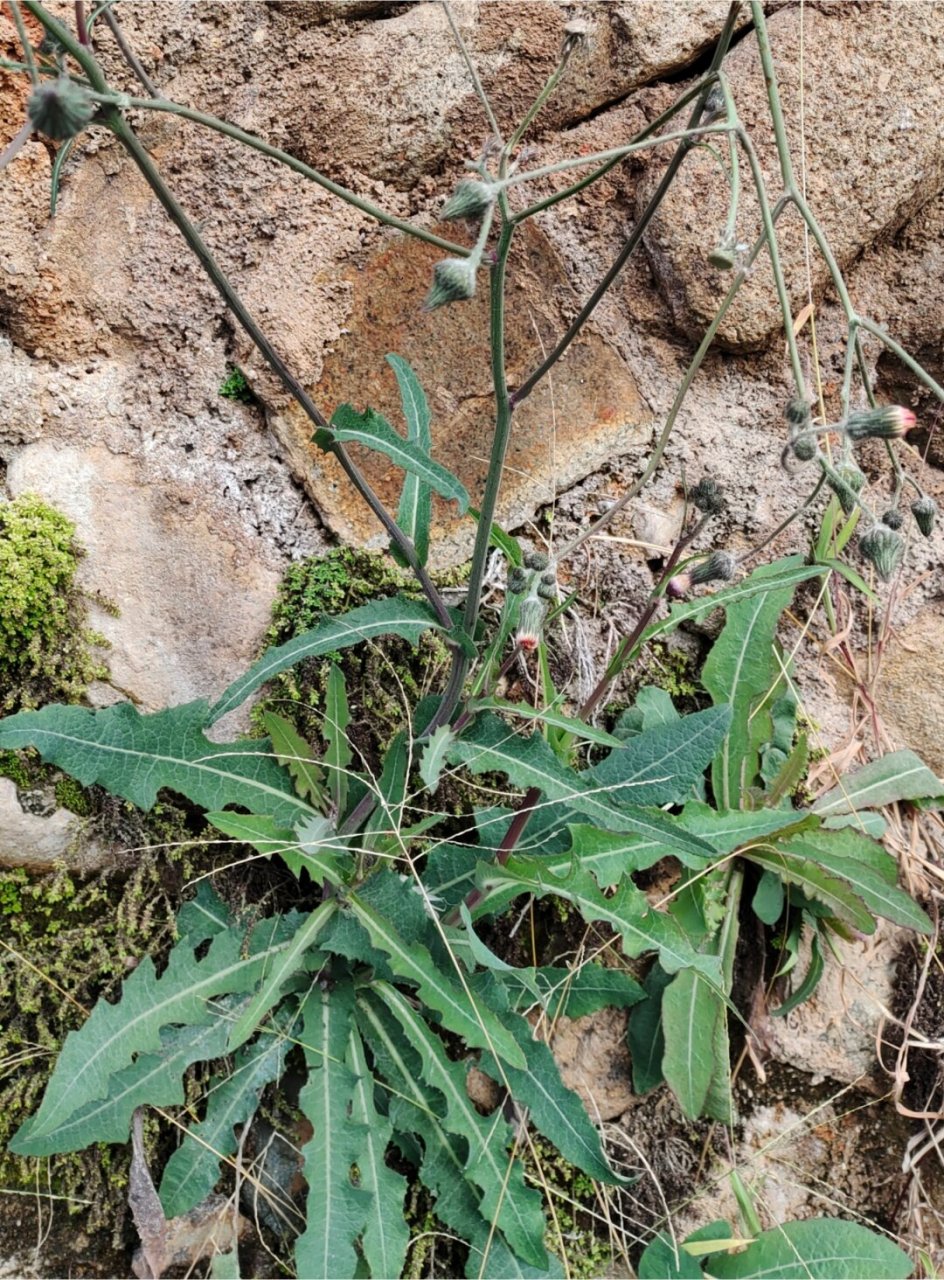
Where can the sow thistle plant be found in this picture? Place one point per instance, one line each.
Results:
(379, 986)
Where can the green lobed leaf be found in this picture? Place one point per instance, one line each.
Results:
(788, 572)
(292, 958)
(742, 672)
(899, 776)
(415, 510)
(690, 1013)
(499, 1179)
(336, 1209)
(411, 961)
(571, 993)
(816, 1249)
(134, 756)
(193, 1170)
(386, 1232)
(116, 1035)
(834, 892)
(433, 759)
(645, 1036)
(153, 1079)
(554, 1110)
(415, 1109)
(661, 765)
(293, 753)
(862, 864)
(548, 715)
(338, 753)
(627, 911)
(372, 430)
(390, 616)
(383, 827)
(298, 849)
(529, 762)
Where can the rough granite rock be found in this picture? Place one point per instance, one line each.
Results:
(832, 1035)
(37, 842)
(909, 691)
(192, 598)
(573, 423)
(872, 110)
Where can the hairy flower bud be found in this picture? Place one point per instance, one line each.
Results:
(724, 255)
(530, 622)
(804, 448)
(720, 565)
(679, 586)
(708, 496)
(924, 510)
(536, 560)
(59, 108)
(890, 422)
(517, 581)
(470, 199)
(453, 281)
(797, 412)
(893, 519)
(846, 483)
(884, 548)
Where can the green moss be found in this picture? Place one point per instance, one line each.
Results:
(673, 670)
(44, 639)
(572, 1192)
(68, 943)
(385, 678)
(73, 796)
(235, 387)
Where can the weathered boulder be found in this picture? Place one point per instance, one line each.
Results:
(865, 128)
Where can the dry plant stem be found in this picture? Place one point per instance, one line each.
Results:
(473, 74)
(721, 49)
(128, 53)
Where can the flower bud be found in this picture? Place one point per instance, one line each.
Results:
(892, 519)
(890, 422)
(924, 510)
(798, 412)
(530, 622)
(804, 447)
(846, 483)
(453, 281)
(719, 565)
(708, 496)
(60, 109)
(517, 581)
(547, 590)
(723, 255)
(679, 586)
(536, 560)
(470, 199)
(884, 548)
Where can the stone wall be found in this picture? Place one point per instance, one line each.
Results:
(114, 345)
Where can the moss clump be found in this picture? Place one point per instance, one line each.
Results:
(44, 640)
(576, 1209)
(235, 387)
(385, 678)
